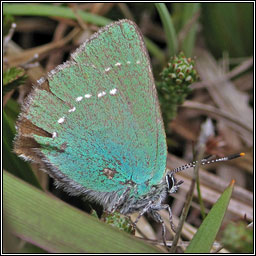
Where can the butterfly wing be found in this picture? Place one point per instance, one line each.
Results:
(96, 120)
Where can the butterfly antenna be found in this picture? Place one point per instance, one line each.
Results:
(206, 161)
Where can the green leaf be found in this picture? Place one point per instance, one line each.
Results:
(206, 234)
(12, 78)
(169, 29)
(237, 237)
(12, 74)
(8, 20)
(57, 227)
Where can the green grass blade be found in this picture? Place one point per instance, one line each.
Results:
(169, 29)
(55, 226)
(206, 234)
(155, 51)
(52, 10)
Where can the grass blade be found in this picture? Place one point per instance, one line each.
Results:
(206, 234)
(57, 227)
(52, 10)
(168, 28)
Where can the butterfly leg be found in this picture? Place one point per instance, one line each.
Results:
(120, 200)
(166, 206)
(157, 217)
(144, 210)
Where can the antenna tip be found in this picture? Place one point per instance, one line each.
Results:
(235, 156)
(232, 182)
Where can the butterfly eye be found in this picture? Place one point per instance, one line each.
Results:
(170, 180)
(172, 184)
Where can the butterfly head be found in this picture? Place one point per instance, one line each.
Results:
(172, 184)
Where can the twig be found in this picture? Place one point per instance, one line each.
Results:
(126, 11)
(8, 37)
(27, 54)
(186, 28)
(217, 112)
(233, 73)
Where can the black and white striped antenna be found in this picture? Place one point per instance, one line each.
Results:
(206, 161)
